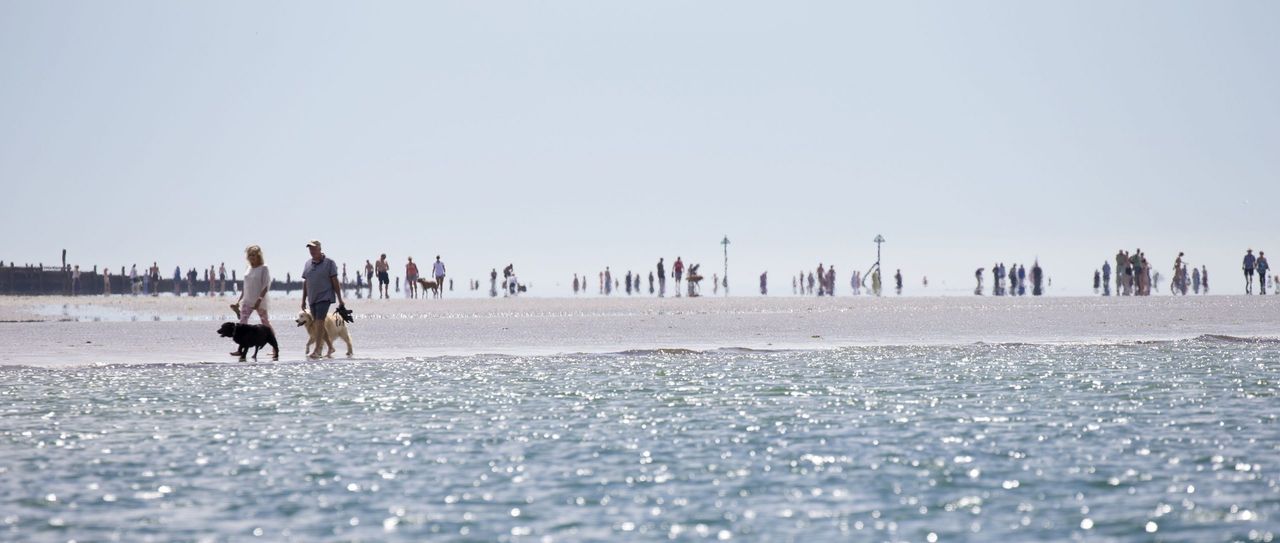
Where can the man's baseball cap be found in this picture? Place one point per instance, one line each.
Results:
(314, 243)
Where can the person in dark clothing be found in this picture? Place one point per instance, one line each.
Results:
(662, 280)
(1262, 267)
(1249, 262)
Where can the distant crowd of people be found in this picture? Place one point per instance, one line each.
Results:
(1015, 277)
(819, 282)
(633, 283)
(1127, 274)
(1134, 275)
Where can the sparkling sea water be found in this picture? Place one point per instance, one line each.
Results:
(1173, 441)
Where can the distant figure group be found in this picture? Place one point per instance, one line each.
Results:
(1257, 265)
(1016, 278)
(1134, 276)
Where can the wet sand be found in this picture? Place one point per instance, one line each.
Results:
(56, 331)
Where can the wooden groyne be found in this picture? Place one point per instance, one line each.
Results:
(53, 281)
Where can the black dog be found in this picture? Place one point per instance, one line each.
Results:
(250, 335)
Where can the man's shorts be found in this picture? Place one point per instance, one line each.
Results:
(383, 278)
(1248, 271)
(320, 310)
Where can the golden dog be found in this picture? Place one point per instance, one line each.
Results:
(334, 326)
(429, 284)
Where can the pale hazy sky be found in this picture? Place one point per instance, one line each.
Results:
(566, 136)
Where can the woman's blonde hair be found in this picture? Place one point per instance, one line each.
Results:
(254, 251)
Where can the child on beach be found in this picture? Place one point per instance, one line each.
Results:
(257, 281)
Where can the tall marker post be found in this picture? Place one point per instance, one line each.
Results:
(725, 242)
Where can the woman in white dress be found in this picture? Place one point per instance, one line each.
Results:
(257, 281)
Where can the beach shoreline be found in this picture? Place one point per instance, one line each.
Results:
(65, 331)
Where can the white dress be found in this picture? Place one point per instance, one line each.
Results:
(255, 279)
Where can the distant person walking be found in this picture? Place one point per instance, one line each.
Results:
(608, 281)
(764, 284)
(384, 279)
(1121, 261)
(411, 278)
(1037, 279)
(368, 275)
(437, 270)
(897, 281)
(1106, 278)
(1204, 278)
(1262, 267)
(677, 272)
(662, 279)
(575, 284)
(1249, 262)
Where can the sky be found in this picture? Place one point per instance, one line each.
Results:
(568, 136)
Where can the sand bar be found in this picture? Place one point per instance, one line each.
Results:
(50, 331)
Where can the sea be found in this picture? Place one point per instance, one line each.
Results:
(1126, 441)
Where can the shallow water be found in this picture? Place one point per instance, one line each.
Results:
(1173, 441)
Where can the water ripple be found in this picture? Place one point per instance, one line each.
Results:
(1111, 442)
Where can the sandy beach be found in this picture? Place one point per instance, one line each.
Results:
(53, 331)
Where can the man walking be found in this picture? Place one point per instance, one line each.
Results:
(384, 279)
(677, 271)
(1106, 278)
(1262, 268)
(662, 279)
(437, 270)
(319, 287)
(1249, 262)
(155, 279)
